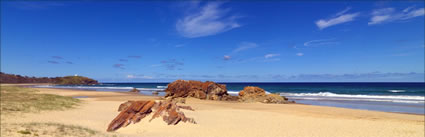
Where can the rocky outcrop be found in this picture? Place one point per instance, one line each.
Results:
(252, 92)
(197, 89)
(135, 90)
(155, 93)
(256, 94)
(134, 111)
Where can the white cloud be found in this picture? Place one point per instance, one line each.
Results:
(344, 11)
(319, 42)
(245, 46)
(386, 15)
(241, 47)
(272, 60)
(300, 54)
(338, 18)
(210, 20)
(179, 45)
(139, 77)
(271, 55)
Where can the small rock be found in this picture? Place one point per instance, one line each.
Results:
(155, 93)
(134, 90)
(256, 94)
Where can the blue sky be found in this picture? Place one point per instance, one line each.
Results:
(270, 41)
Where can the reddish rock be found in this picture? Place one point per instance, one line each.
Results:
(155, 93)
(125, 105)
(131, 114)
(134, 90)
(256, 94)
(197, 89)
(252, 91)
(170, 113)
(134, 111)
(216, 91)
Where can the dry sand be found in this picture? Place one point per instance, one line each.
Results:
(227, 119)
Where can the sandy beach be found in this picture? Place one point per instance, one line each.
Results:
(218, 118)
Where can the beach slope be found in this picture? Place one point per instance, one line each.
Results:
(230, 119)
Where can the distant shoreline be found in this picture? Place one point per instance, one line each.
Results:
(149, 94)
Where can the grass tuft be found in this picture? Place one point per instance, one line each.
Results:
(47, 129)
(24, 100)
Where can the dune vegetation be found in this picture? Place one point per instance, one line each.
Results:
(25, 100)
(16, 101)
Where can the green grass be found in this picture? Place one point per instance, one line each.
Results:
(15, 100)
(47, 129)
(25, 100)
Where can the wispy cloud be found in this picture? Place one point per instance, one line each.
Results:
(241, 47)
(57, 57)
(208, 20)
(245, 46)
(123, 60)
(135, 56)
(139, 77)
(226, 57)
(320, 42)
(120, 66)
(35, 5)
(271, 55)
(156, 65)
(402, 54)
(386, 15)
(271, 59)
(300, 54)
(338, 18)
(372, 76)
(172, 64)
(179, 45)
(53, 62)
(69, 62)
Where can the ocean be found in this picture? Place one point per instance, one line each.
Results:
(388, 97)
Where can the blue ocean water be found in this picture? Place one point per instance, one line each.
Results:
(389, 97)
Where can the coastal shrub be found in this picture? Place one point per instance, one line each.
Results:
(67, 80)
(75, 80)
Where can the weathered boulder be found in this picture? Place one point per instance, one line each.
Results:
(125, 105)
(276, 99)
(134, 90)
(134, 111)
(256, 94)
(250, 91)
(197, 89)
(155, 93)
(216, 91)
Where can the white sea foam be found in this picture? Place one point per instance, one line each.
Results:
(235, 93)
(362, 99)
(231, 92)
(150, 89)
(395, 91)
(161, 86)
(347, 97)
